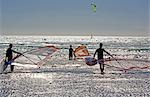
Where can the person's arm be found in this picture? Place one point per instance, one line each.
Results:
(112, 56)
(108, 53)
(95, 53)
(17, 52)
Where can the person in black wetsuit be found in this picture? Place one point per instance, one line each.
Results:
(71, 53)
(9, 58)
(100, 57)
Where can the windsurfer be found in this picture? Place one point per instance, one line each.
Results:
(9, 58)
(71, 52)
(100, 57)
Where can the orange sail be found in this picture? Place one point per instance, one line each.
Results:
(81, 51)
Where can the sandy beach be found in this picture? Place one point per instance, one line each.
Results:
(74, 80)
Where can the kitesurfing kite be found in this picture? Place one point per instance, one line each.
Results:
(93, 7)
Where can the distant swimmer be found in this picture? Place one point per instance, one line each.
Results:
(100, 57)
(71, 52)
(9, 58)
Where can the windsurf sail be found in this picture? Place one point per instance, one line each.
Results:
(127, 64)
(90, 61)
(81, 52)
(121, 64)
(38, 56)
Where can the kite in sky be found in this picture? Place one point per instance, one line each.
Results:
(93, 7)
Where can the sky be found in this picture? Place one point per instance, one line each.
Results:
(74, 17)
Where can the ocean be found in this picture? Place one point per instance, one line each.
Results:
(137, 46)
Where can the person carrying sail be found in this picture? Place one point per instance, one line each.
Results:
(9, 57)
(100, 57)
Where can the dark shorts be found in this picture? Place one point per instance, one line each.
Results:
(101, 61)
(70, 55)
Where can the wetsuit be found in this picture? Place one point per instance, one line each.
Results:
(70, 53)
(100, 53)
(100, 58)
(9, 57)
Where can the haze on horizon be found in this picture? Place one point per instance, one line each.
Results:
(74, 17)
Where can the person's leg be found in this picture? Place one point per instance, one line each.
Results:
(102, 67)
(12, 68)
(5, 65)
(70, 56)
(101, 64)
